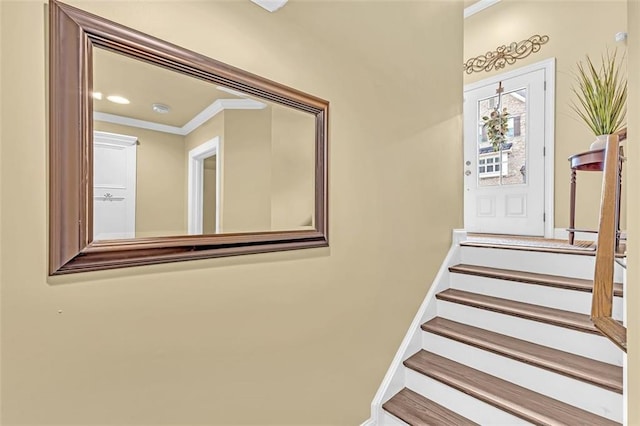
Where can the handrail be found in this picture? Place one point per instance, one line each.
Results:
(602, 300)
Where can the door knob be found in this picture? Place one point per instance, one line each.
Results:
(468, 163)
(467, 172)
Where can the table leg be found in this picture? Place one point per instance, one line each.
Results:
(572, 207)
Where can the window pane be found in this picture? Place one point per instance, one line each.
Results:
(515, 159)
(484, 146)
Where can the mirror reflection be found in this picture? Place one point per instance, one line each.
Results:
(175, 155)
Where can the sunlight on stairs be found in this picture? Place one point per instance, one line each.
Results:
(505, 338)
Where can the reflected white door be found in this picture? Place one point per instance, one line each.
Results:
(504, 189)
(114, 186)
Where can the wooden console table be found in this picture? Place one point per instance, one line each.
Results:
(591, 161)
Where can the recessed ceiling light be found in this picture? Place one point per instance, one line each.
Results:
(161, 108)
(97, 96)
(118, 99)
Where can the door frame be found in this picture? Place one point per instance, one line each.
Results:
(549, 67)
(196, 185)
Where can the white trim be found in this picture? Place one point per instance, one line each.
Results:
(270, 5)
(218, 106)
(199, 119)
(549, 67)
(518, 97)
(394, 378)
(477, 7)
(549, 144)
(134, 122)
(232, 91)
(107, 138)
(368, 422)
(196, 185)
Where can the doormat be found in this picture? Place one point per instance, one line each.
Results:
(532, 242)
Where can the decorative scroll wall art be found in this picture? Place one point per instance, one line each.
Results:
(505, 55)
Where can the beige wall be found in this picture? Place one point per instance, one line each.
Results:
(160, 180)
(632, 295)
(293, 167)
(212, 128)
(300, 337)
(574, 29)
(246, 171)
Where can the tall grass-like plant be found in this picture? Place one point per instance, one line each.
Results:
(602, 95)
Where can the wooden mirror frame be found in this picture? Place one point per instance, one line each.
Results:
(72, 35)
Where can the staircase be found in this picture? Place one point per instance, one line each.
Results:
(504, 337)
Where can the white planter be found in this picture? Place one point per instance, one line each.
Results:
(599, 143)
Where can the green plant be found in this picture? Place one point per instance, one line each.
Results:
(602, 95)
(497, 125)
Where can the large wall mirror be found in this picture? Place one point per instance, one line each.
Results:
(160, 154)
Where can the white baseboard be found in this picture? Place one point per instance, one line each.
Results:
(368, 422)
(458, 236)
(394, 379)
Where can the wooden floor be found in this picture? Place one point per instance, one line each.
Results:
(485, 240)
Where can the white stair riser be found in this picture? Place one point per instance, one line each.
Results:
(580, 343)
(387, 419)
(459, 402)
(583, 395)
(559, 298)
(577, 266)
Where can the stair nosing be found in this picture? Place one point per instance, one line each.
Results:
(530, 353)
(556, 281)
(490, 245)
(576, 321)
(506, 396)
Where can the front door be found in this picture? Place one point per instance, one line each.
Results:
(504, 183)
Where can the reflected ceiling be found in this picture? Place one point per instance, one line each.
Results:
(144, 84)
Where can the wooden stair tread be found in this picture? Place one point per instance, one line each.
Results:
(415, 409)
(531, 278)
(598, 373)
(557, 317)
(507, 396)
(490, 245)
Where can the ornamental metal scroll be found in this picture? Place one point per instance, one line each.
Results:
(505, 55)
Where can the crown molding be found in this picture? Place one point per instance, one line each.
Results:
(478, 7)
(197, 121)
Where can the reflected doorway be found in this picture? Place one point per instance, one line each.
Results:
(204, 193)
